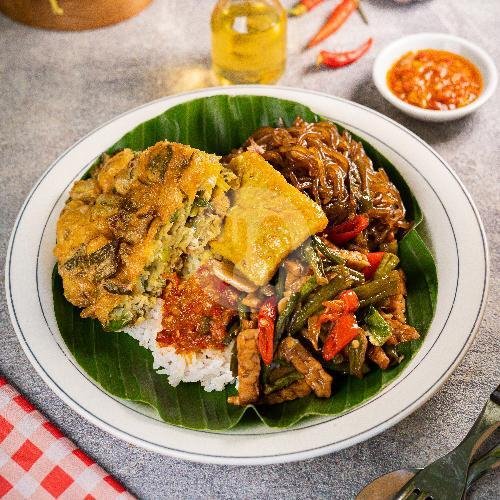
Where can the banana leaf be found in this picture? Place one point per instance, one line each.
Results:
(125, 369)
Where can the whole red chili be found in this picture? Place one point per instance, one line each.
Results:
(337, 18)
(339, 59)
(265, 323)
(303, 6)
(342, 233)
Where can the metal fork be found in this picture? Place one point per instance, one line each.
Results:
(446, 478)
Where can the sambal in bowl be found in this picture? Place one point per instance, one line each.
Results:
(435, 77)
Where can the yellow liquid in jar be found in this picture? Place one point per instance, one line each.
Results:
(248, 41)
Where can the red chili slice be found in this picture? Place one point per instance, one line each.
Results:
(374, 258)
(266, 321)
(342, 233)
(343, 331)
(350, 300)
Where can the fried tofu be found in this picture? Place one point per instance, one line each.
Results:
(268, 219)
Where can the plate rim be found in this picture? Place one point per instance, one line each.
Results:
(291, 456)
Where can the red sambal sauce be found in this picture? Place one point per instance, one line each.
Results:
(435, 79)
(197, 312)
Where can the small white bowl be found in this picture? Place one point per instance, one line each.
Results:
(441, 41)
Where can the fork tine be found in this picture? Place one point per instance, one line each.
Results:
(408, 491)
(423, 496)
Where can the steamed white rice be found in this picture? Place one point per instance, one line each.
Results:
(210, 367)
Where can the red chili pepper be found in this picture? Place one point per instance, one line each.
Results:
(337, 18)
(343, 331)
(266, 320)
(374, 258)
(339, 59)
(350, 300)
(346, 303)
(329, 315)
(342, 233)
(303, 6)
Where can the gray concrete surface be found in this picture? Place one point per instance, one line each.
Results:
(56, 87)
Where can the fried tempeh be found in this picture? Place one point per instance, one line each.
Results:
(297, 389)
(248, 368)
(316, 377)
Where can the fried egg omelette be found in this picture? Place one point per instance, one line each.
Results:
(134, 220)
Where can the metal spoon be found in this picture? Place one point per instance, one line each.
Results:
(385, 487)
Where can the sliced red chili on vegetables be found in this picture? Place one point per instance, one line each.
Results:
(266, 322)
(342, 233)
(339, 59)
(329, 315)
(343, 331)
(374, 258)
(303, 6)
(337, 18)
(350, 300)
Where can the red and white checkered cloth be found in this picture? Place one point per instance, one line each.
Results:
(37, 461)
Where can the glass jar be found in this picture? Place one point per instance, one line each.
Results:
(248, 41)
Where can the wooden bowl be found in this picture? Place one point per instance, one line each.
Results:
(77, 14)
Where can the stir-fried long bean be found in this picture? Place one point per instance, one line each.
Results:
(285, 316)
(282, 382)
(280, 284)
(315, 301)
(329, 253)
(388, 263)
(308, 287)
(356, 276)
(378, 329)
(242, 309)
(314, 261)
(357, 353)
(376, 290)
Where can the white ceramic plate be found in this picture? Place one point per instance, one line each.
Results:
(454, 232)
